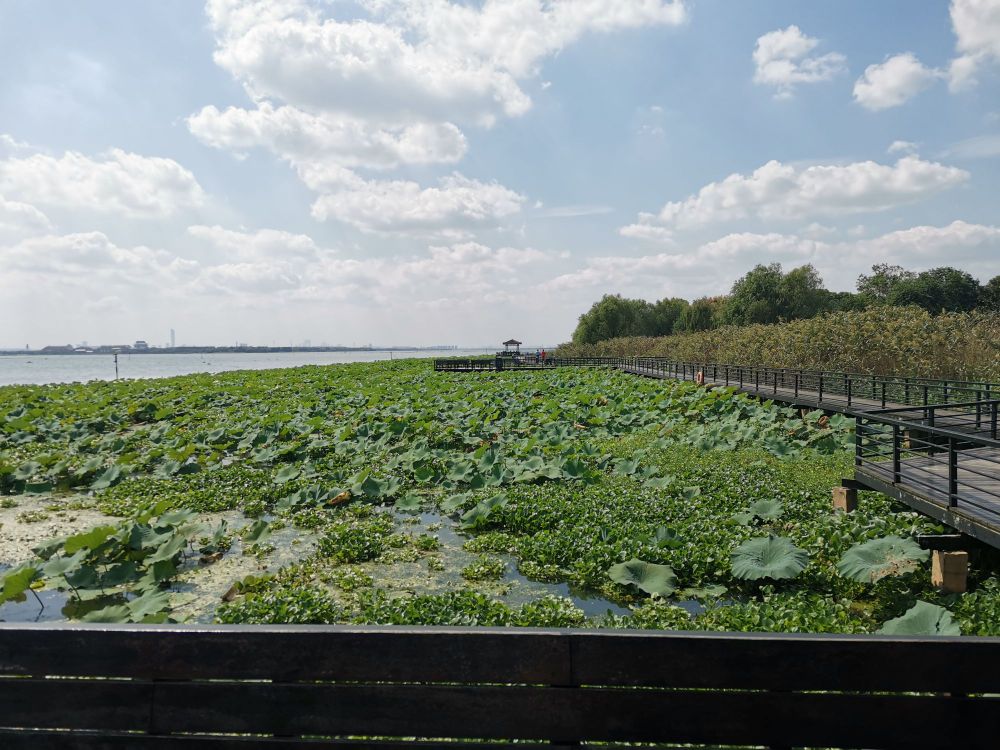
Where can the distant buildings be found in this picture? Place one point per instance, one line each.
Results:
(141, 345)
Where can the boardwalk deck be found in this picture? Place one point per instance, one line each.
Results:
(922, 482)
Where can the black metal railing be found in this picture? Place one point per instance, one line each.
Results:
(848, 389)
(956, 467)
(855, 391)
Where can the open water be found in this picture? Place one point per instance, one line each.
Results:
(68, 368)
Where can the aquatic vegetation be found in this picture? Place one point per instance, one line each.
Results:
(389, 493)
(923, 618)
(772, 557)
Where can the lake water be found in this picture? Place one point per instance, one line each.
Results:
(67, 368)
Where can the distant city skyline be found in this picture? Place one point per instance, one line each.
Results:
(466, 171)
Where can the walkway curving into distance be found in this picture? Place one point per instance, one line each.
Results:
(932, 444)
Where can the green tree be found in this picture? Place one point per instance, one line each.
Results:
(766, 295)
(938, 289)
(664, 316)
(989, 295)
(701, 315)
(613, 316)
(876, 288)
(801, 293)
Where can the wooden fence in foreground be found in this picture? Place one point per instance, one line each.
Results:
(250, 687)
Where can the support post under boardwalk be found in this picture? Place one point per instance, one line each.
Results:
(845, 499)
(949, 571)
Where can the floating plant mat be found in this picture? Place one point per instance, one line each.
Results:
(389, 493)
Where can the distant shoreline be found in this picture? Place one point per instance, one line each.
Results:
(226, 350)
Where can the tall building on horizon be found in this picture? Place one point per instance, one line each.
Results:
(173, 339)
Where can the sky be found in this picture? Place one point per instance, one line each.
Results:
(427, 172)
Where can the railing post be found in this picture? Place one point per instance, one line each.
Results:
(896, 473)
(906, 391)
(820, 399)
(796, 385)
(858, 449)
(883, 394)
(952, 473)
(993, 420)
(850, 388)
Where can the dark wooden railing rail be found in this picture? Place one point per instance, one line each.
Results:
(248, 687)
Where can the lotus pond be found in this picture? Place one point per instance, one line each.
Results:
(387, 493)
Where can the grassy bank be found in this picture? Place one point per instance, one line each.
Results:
(881, 341)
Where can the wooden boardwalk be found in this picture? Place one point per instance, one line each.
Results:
(788, 395)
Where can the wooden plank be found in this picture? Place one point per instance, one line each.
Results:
(513, 655)
(287, 653)
(562, 714)
(75, 704)
(48, 740)
(774, 661)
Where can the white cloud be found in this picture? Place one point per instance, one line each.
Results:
(712, 267)
(116, 182)
(779, 191)
(400, 205)
(303, 138)
(782, 60)
(980, 147)
(91, 258)
(19, 220)
(647, 229)
(427, 58)
(904, 147)
(261, 244)
(977, 31)
(893, 82)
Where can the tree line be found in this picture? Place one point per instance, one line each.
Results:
(767, 294)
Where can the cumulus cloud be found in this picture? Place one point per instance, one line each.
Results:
(893, 82)
(387, 84)
(402, 205)
(778, 191)
(260, 244)
(92, 258)
(19, 220)
(782, 59)
(116, 182)
(303, 138)
(711, 268)
(903, 147)
(429, 59)
(977, 33)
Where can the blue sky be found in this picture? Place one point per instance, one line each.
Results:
(431, 171)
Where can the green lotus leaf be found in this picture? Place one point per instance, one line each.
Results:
(923, 618)
(654, 579)
(110, 477)
(287, 474)
(16, 582)
(258, 531)
(89, 540)
(766, 510)
(773, 557)
(410, 502)
(625, 468)
(877, 558)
